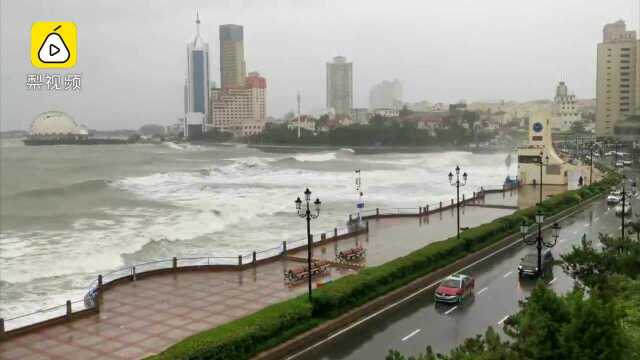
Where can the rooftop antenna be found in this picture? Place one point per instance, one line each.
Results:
(197, 22)
(299, 119)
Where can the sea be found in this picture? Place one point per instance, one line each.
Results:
(69, 213)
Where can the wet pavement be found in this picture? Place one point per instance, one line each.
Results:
(146, 316)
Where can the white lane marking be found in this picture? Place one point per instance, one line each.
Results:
(482, 290)
(503, 319)
(451, 310)
(507, 274)
(410, 335)
(552, 281)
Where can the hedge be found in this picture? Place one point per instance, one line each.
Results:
(245, 337)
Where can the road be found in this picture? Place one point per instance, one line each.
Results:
(418, 322)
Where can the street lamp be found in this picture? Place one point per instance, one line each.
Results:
(539, 240)
(305, 212)
(458, 184)
(624, 200)
(542, 162)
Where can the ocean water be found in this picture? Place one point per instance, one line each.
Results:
(69, 213)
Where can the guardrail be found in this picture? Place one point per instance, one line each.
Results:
(91, 302)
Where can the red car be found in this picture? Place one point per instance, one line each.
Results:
(454, 289)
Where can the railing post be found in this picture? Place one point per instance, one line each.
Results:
(284, 247)
(323, 236)
(440, 205)
(239, 260)
(100, 282)
(253, 258)
(335, 232)
(377, 212)
(133, 273)
(367, 224)
(175, 262)
(350, 219)
(451, 202)
(426, 210)
(68, 308)
(463, 199)
(1, 328)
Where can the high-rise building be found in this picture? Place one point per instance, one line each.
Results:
(564, 109)
(387, 94)
(197, 82)
(618, 77)
(240, 110)
(340, 85)
(232, 66)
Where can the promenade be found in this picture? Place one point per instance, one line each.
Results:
(140, 318)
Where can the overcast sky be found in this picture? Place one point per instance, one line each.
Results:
(131, 53)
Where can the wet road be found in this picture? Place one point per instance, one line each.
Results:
(418, 322)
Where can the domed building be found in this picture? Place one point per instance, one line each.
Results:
(57, 127)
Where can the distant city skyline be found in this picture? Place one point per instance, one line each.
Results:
(132, 61)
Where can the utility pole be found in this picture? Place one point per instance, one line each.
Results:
(299, 134)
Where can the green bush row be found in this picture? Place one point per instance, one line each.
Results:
(245, 337)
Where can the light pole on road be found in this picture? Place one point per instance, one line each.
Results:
(539, 240)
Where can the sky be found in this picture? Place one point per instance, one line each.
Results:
(132, 53)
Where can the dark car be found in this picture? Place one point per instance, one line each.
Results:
(529, 264)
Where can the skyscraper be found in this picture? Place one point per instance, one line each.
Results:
(340, 85)
(387, 94)
(232, 66)
(618, 77)
(197, 83)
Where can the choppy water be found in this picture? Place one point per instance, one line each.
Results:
(68, 213)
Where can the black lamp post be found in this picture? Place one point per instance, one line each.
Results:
(624, 200)
(591, 163)
(539, 240)
(458, 184)
(308, 214)
(541, 163)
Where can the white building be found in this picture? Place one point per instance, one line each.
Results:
(340, 85)
(565, 110)
(387, 94)
(540, 148)
(197, 83)
(387, 112)
(240, 110)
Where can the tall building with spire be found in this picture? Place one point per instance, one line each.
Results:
(564, 109)
(197, 82)
(232, 65)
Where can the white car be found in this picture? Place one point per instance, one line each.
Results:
(627, 162)
(610, 153)
(614, 197)
(627, 209)
(619, 164)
